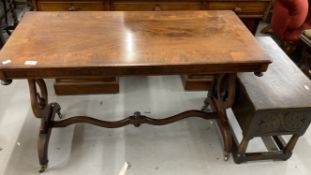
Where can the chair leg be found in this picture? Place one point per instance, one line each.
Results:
(288, 150)
(242, 147)
(239, 150)
(239, 153)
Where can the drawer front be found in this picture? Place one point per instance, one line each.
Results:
(148, 6)
(70, 6)
(241, 8)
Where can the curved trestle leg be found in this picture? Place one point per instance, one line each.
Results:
(226, 133)
(45, 133)
(46, 112)
(220, 97)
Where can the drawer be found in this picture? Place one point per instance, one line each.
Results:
(254, 8)
(148, 6)
(70, 6)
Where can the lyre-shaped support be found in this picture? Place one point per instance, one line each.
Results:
(221, 96)
(39, 100)
(45, 111)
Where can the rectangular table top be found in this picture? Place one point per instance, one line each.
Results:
(72, 44)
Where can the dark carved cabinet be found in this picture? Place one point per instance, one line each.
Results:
(250, 12)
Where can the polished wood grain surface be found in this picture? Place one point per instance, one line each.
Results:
(131, 43)
(250, 12)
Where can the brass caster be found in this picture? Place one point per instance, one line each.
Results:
(43, 168)
(226, 157)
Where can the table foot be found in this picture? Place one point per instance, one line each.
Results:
(227, 137)
(45, 133)
(43, 168)
(226, 156)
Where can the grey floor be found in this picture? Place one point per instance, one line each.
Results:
(191, 146)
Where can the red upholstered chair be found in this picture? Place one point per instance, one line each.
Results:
(289, 19)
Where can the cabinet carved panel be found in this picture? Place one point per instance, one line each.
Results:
(282, 122)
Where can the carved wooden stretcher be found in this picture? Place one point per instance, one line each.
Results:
(84, 44)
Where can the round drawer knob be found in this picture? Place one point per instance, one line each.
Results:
(73, 8)
(157, 7)
(237, 10)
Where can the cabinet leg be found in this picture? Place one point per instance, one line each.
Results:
(242, 148)
(290, 146)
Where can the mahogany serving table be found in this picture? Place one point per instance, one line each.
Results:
(251, 12)
(84, 44)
